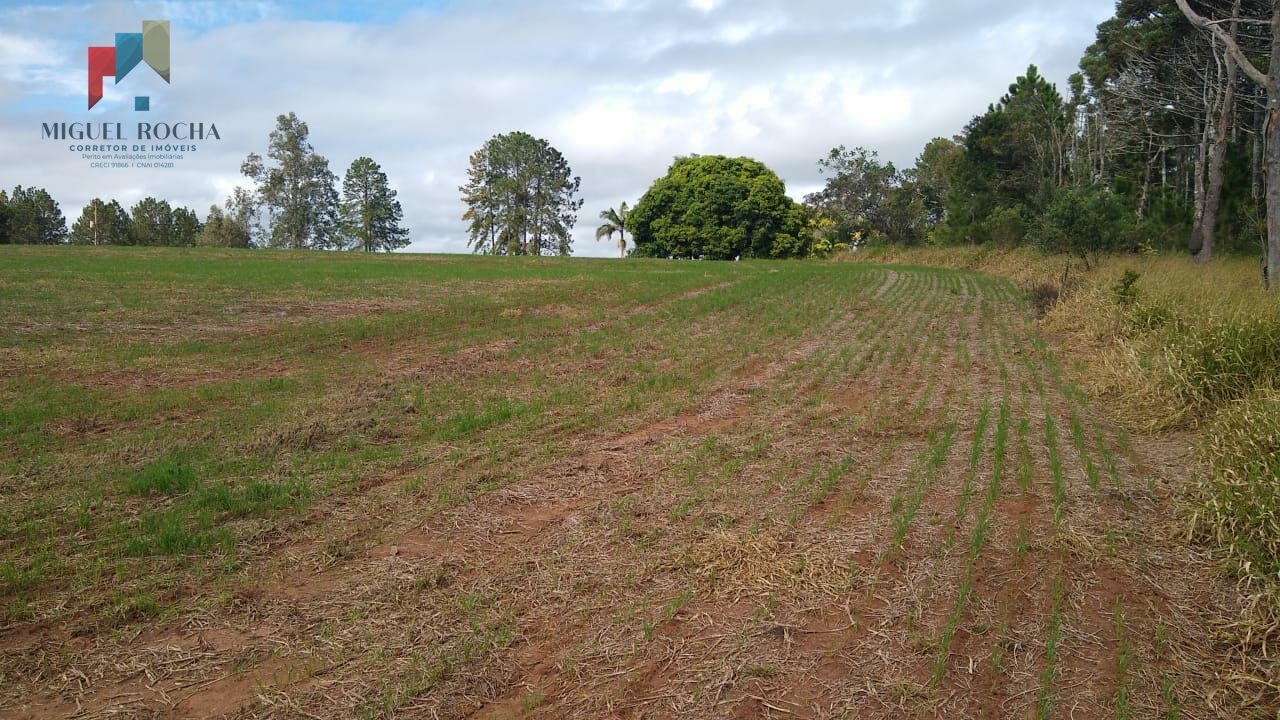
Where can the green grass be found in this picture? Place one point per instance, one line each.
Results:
(966, 593)
(1056, 467)
(906, 504)
(179, 401)
(1124, 664)
(1048, 696)
(474, 420)
(170, 474)
(971, 474)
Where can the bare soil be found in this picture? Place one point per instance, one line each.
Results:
(796, 543)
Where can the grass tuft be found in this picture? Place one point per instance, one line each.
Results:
(170, 474)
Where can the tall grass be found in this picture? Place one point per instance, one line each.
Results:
(1240, 507)
(1198, 349)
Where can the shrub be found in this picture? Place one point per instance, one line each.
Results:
(1221, 362)
(1084, 222)
(1006, 227)
(1126, 289)
(1043, 297)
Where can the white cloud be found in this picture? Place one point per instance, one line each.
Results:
(685, 83)
(37, 63)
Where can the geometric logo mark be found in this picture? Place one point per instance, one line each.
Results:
(151, 46)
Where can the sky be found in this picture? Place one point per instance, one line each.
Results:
(620, 87)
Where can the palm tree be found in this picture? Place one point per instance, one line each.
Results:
(615, 221)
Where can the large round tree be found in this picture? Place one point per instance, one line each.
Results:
(718, 208)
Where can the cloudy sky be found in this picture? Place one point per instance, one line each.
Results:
(619, 86)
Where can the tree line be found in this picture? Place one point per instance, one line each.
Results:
(292, 202)
(1167, 140)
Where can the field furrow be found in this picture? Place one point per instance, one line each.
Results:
(486, 489)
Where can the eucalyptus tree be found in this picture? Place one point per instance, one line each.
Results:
(230, 225)
(932, 177)
(1219, 123)
(857, 193)
(1168, 109)
(296, 190)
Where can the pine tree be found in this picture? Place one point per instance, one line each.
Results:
(102, 223)
(152, 222)
(371, 214)
(5, 215)
(186, 226)
(35, 218)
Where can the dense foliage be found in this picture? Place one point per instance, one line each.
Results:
(102, 223)
(30, 216)
(718, 208)
(6, 217)
(1159, 145)
(295, 189)
(230, 225)
(521, 197)
(371, 213)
